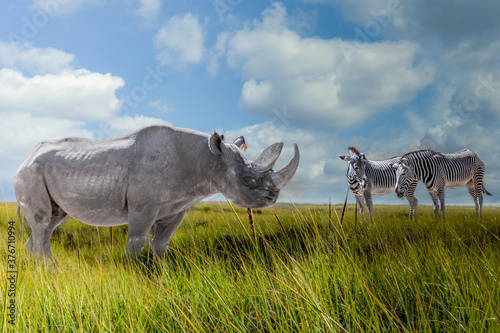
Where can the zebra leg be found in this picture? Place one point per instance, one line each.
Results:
(412, 200)
(441, 199)
(369, 204)
(434, 198)
(471, 186)
(413, 207)
(477, 185)
(479, 204)
(361, 205)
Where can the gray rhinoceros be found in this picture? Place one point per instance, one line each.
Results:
(145, 179)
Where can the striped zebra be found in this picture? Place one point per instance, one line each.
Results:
(365, 177)
(439, 171)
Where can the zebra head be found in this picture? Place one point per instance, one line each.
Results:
(405, 175)
(356, 176)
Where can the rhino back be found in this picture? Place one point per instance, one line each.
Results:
(86, 178)
(96, 181)
(170, 163)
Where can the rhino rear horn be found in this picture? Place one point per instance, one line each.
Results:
(268, 157)
(241, 143)
(285, 174)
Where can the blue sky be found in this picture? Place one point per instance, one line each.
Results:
(385, 76)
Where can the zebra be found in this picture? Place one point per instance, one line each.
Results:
(439, 171)
(365, 177)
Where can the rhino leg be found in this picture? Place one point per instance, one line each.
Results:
(162, 232)
(140, 222)
(42, 214)
(39, 241)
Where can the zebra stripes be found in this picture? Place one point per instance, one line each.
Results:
(366, 177)
(439, 171)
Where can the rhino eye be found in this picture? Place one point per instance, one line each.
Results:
(247, 180)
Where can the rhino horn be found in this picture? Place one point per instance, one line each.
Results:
(268, 157)
(241, 143)
(285, 174)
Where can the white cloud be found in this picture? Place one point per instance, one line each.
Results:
(310, 183)
(55, 101)
(217, 52)
(61, 7)
(180, 41)
(26, 58)
(321, 81)
(20, 132)
(71, 94)
(321, 174)
(148, 9)
(162, 106)
(122, 125)
(438, 23)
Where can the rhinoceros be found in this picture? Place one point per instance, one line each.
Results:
(146, 179)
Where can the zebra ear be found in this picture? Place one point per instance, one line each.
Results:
(353, 151)
(395, 165)
(345, 158)
(362, 156)
(404, 161)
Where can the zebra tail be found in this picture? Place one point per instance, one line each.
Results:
(486, 192)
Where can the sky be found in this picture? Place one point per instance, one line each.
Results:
(385, 76)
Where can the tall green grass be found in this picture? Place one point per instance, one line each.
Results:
(305, 273)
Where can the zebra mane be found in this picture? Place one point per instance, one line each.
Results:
(427, 152)
(354, 150)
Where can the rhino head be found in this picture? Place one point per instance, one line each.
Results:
(250, 184)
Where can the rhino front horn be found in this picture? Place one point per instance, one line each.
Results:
(268, 157)
(285, 174)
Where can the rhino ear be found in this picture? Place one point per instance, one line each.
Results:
(215, 144)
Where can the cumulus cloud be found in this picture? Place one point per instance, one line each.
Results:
(463, 47)
(43, 96)
(61, 7)
(321, 81)
(44, 82)
(148, 9)
(23, 131)
(29, 59)
(217, 52)
(310, 182)
(446, 20)
(180, 41)
(117, 126)
(20, 132)
(162, 106)
(71, 94)
(321, 174)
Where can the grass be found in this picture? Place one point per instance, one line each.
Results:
(305, 273)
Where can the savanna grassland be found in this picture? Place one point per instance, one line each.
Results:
(305, 272)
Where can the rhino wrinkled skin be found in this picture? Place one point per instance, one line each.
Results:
(146, 179)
